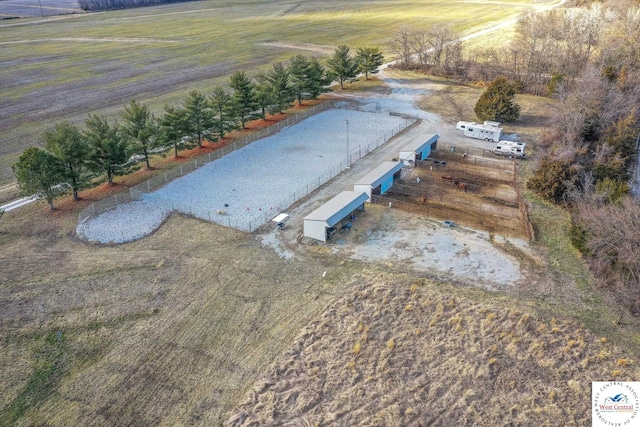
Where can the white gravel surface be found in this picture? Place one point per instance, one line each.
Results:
(249, 186)
(123, 223)
(461, 253)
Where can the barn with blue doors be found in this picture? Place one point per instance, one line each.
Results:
(418, 149)
(335, 214)
(379, 180)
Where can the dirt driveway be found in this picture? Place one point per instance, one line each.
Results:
(399, 239)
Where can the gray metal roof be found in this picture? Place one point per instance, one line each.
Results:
(338, 207)
(376, 176)
(420, 142)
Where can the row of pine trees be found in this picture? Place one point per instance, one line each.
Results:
(73, 158)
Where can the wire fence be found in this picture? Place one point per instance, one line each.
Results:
(358, 152)
(509, 226)
(508, 197)
(257, 218)
(459, 202)
(474, 155)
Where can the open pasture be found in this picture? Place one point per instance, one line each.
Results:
(58, 69)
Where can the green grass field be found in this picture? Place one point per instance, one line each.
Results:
(96, 63)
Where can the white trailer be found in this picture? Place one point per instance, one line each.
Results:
(489, 131)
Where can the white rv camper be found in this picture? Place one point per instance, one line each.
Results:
(513, 143)
(489, 131)
(509, 150)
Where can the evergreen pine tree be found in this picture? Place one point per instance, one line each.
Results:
(66, 143)
(244, 96)
(497, 102)
(369, 60)
(342, 66)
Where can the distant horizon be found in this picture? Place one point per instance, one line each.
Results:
(37, 8)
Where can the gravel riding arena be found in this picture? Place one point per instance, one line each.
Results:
(248, 187)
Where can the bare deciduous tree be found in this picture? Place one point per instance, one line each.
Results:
(402, 46)
(614, 245)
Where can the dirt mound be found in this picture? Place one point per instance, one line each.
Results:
(403, 354)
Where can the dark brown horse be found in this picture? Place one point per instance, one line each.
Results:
(460, 185)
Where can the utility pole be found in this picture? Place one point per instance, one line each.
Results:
(348, 150)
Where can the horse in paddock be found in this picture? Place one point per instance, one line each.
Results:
(460, 185)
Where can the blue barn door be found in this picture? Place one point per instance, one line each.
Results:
(386, 185)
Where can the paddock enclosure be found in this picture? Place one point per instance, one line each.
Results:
(456, 187)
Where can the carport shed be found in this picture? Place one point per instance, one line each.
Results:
(319, 222)
(379, 180)
(418, 149)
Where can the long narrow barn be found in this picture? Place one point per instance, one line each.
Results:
(322, 223)
(379, 180)
(418, 149)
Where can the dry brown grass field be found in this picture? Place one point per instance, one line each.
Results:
(399, 351)
(177, 327)
(168, 330)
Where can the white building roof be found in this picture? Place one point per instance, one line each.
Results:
(378, 175)
(419, 142)
(338, 207)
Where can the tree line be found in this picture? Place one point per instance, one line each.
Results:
(73, 157)
(588, 159)
(588, 60)
(94, 5)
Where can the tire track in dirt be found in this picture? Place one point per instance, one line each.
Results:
(318, 48)
(289, 10)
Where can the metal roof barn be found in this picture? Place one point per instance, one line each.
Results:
(379, 180)
(318, 223)
(418, 149)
